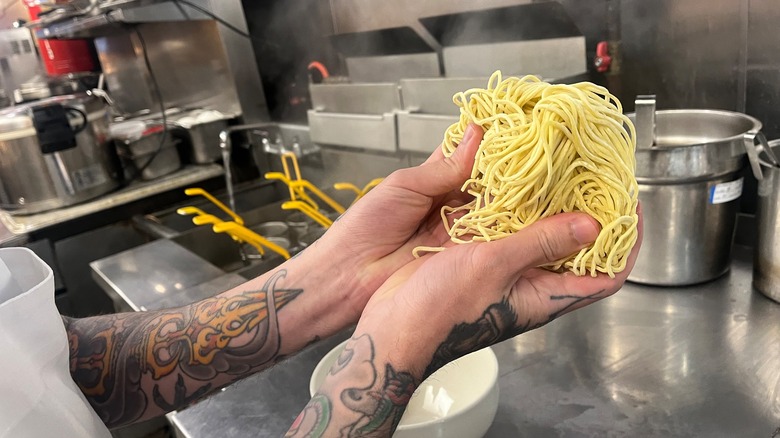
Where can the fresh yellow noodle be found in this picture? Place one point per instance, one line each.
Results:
(548, 149)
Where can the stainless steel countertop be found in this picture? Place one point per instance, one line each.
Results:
(7, 238)
(695, 361)
(20, 225)
(157, 275)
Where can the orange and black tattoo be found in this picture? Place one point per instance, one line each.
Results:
(135, 366)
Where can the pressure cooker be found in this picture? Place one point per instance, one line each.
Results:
(54, 153)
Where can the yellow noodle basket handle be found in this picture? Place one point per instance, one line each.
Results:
(308, 211)
(297, 193)
(194, 191)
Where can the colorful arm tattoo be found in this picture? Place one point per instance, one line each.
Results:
(138, 365)
(374, 404)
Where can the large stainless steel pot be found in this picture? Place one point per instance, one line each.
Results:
(689, 187)
(766, 263)
(54, 153)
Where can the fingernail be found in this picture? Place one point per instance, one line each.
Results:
(584, 230)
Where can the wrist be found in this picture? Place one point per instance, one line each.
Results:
(347, 275)
(367, 393)
(406, 349)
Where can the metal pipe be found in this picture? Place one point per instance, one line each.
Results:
(226, 147)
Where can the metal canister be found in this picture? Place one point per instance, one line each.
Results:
(272, 229)
(690, 187)
(55, 153)
(766, 263)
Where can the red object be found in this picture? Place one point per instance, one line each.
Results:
(153, 130)
(319, 66)
(61, 57)
(602, 61)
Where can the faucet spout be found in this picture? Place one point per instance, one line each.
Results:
(226, 146)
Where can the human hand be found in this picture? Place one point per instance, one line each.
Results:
(375, 237)
(485, 292)
(442, 306)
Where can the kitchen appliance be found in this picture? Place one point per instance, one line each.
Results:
(766, 261)
(148, 151)
(689, 186)
(202, 129)
(55, 152)
(62, 56)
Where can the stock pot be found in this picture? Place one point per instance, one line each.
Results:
(690, 186)
(55, 152)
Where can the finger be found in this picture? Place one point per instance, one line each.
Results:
(554, 294)
(589, 284)
(438, 153)
(437, 177)
(570, 292)
(545, 241)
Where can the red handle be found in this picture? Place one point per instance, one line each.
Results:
(319, 66)
(602, 61)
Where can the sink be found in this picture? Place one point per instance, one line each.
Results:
(184, 262)
(218, 249)
(221, 251)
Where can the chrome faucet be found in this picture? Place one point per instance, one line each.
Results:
(226, 146)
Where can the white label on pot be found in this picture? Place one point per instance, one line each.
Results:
(725, 192)
(88, 177)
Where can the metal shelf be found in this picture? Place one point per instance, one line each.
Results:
(118, 12)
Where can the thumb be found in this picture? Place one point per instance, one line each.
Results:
(438, 176)
(546, 241)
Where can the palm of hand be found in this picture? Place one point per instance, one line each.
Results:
(381, 230)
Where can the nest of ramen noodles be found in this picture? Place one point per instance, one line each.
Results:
(548, 149)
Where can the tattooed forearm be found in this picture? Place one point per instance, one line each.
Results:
(134, 366)
(374, 402)
(496, 324)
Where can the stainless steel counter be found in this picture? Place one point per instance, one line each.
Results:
(159, 275)
(695, 361)
(21, 225)
(7, 238)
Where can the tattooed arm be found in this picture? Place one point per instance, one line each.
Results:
(135, 366)
(444, 306)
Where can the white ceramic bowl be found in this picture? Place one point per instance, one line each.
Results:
(457, 401)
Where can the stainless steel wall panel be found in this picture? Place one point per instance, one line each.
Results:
(763, 64)
(376, 98)
(187, 58)
(763, 33)
(362, 15)
(363, 131)
(393, 68)
(434, 96)
(684, 51)
(554, 57)
(422, 132)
